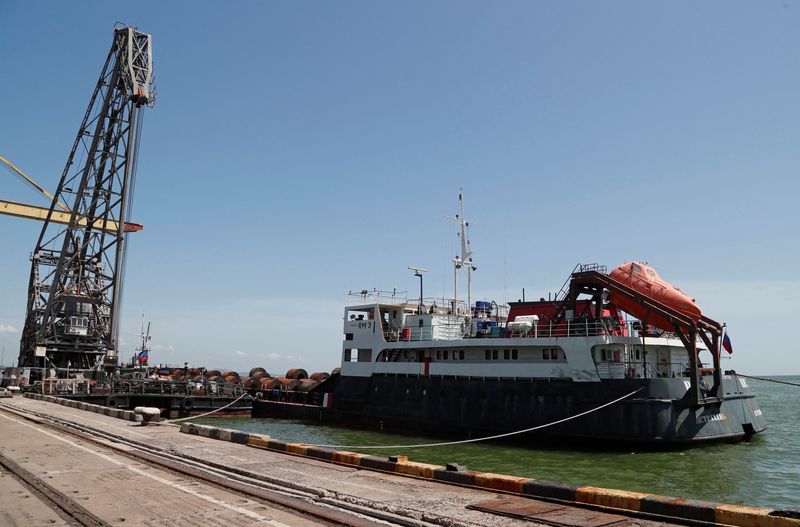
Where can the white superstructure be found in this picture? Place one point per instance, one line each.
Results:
(406, 338)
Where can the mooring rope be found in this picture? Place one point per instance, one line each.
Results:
(498, 436)
(205, 414)
(768, 380)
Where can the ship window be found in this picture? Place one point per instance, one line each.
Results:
(348, 336)
(438, 354)
(364, 355)
(461, 354)
(394, 314)
(351, 355)
(514, 354)
(506, 354)
(488, 354)
(650, 272)
(637, 268)
(554, 354)
(445, 354)
(494, 354)
(638, 354)
(546, 354)
(421, 322)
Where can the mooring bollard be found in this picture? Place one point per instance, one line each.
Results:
(148, 414)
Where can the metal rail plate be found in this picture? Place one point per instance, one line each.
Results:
(548, 513)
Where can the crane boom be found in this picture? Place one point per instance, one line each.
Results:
(32, 183)
(32, 212)
(77, 267)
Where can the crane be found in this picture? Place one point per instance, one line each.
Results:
(77, 264)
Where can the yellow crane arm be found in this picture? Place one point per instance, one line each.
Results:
(32, 212)
(30, 181)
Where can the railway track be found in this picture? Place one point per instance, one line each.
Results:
(317, 506)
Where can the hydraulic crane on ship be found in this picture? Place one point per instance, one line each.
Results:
(75, 287)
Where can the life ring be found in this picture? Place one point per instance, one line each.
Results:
(187, 403)
(111, 402)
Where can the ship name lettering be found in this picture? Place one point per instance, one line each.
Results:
(708, 418)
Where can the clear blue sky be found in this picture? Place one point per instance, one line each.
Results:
(299, 150)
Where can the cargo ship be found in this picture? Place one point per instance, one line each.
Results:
(481, 368)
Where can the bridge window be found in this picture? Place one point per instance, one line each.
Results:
(506, 354)
(514, 354)
(461, 354)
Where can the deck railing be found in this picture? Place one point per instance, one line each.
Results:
(460, 327)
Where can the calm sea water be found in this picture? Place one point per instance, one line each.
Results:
(764, 472)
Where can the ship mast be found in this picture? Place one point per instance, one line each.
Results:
(465, 258)
(144, 349)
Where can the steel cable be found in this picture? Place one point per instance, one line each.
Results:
(478, 439)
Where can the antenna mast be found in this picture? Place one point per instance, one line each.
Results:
(465, 258)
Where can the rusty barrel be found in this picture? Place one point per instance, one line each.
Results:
(320, 376)
(268, 383)
(231, 377)
(297, 373)
(256, 371)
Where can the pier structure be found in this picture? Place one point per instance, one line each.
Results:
(63, 465)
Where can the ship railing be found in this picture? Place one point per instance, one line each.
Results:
(376, 296)
(636, 369)
(430, 305)
(187, 388)
(574, 328)
(53, 386)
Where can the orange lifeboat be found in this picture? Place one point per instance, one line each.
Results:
(645, 280)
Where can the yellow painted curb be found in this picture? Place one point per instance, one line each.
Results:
(296, 448)
(350, 458)
(500, 482)
(257, 441)
(412, 468)
(619, 499)
(743, 516)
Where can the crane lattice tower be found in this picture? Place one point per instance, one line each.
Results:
(77, 269)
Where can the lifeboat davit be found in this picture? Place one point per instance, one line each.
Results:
(645, 279)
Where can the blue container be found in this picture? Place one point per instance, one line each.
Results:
(483, 307)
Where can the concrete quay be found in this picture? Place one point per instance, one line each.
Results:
(121, 473)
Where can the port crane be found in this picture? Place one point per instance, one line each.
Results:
(77, 264)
